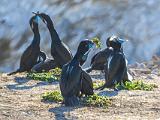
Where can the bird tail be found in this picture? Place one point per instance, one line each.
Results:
(71, 101)
(87, 85)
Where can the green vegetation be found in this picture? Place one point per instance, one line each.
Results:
(134, 85)
(137, 85)
(97, 84)
(97, 41)
(96, 101)
(52, 75)
(92, 100)
(54, 96)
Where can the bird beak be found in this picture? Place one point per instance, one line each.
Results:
(36, 17)
(91, 45)
(36, 13)
(39, 17)
(122, 40)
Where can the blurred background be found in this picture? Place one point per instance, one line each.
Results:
(75, 20)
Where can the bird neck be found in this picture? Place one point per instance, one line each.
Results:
(77, 58)
(75, 62)
(53, 32)
(54, 36)
(118, 50)
(36, 39)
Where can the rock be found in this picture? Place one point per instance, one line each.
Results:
(155, 71)
(139, 71)
(149, 77)
(155, 58)
(142, 66)
(139, 65)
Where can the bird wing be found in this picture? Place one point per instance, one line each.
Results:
(66, 47)
(114, 66)
(101, 57)
(63, 53)
(70, 79)
(87, 85)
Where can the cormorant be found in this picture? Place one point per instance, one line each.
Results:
(59, 51)
(73, 77)
(116, 66)
(32, 55)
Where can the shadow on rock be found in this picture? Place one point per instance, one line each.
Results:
(64, 113)
(108, 93)
(22, 84)
(21, 80)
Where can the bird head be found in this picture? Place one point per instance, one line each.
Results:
(84, 48)
(36, 17)
(34, 21)
(45, 18)
(115, 42)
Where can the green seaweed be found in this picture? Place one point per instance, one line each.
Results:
(137, 85)
(54, 96)
(97, 41)
(91, 100)
(96, 101)
(52, 75)
(97, 84)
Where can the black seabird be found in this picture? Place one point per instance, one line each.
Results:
(73, 77)
(32, 55)
(116, 66)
